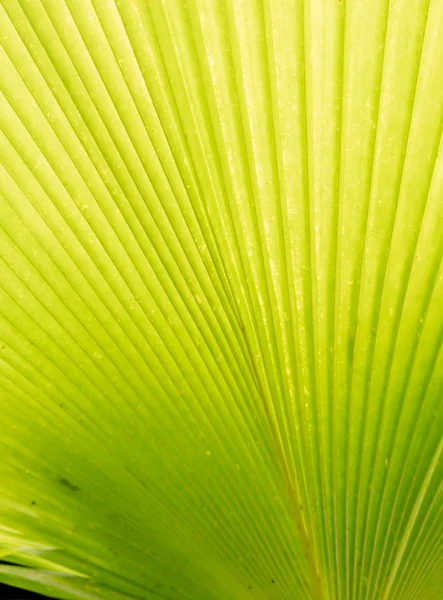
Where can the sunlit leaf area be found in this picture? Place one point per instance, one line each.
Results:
(221, 299)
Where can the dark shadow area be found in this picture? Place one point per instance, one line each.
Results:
(11, 593)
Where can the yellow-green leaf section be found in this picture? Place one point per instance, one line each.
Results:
(221, 299)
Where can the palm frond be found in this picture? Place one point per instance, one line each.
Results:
(221, 292)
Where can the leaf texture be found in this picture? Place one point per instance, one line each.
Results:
(221, 299)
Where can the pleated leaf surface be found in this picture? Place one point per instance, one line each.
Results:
(221, 299)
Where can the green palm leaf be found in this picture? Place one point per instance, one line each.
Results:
(221, 292)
